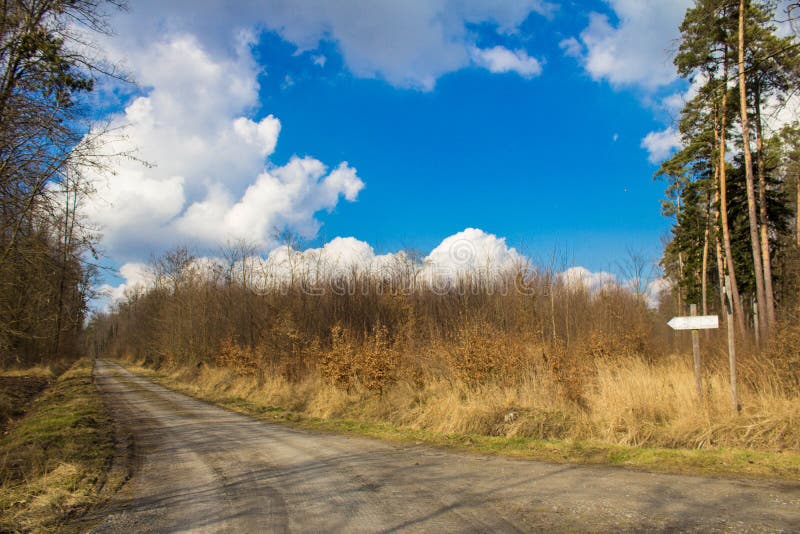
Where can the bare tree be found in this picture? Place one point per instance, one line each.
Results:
(47, 143)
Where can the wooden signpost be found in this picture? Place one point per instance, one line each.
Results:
(694, 323)
(731, 345)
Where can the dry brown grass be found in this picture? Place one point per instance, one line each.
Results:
(40, 371)
(54, 460)
(627, 401)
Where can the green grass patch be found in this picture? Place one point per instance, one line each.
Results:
(712, 461)
(54, 460)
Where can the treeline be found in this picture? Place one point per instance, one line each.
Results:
(46, 143)
(733, 186)
(200, 312)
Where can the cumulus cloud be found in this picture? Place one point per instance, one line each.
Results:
(655, 288)
(408, 44)
(207, 178)
(471, 253)
(339, 257)
(634, 49)
(581, 277)
(572, 47)
(500, 59)
(659, 145)
(137, 277)
(673, 103)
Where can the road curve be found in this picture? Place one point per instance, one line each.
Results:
(201, 468)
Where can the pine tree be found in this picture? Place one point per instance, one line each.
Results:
(735, 206)
(704, 57)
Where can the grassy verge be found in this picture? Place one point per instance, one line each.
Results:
(54, 460)
(16, 395)
(717, 461)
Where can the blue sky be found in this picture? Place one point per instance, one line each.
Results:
(534, 160)
(541, 123)
(550, 162)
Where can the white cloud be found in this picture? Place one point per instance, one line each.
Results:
(262, 135)
(786, 17)
(655, 289)
(471, 252)
(138, 277)
(571, 47)
(659, 145)
(409, 44)
(673, 103)
(634, 50)
(581, 277)
(500, 59)
(210, 180)
(339, 257)
(779, 113)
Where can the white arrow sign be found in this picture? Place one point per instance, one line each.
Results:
(697, 322)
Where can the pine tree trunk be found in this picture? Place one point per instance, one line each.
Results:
(769, 302)
(758, 265)
(680, 282)
(721, 275)
(723, 202)
(704, 276)
(704, 282)
(717, 245)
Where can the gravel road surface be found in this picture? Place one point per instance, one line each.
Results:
(200, 468)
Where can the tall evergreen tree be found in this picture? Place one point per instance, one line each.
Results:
(704, 56)
(758, 264)
(737, 203)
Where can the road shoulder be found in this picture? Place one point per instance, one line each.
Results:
(61, 460)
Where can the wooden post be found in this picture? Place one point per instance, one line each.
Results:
(731, 345)
(698, 381)
(553, 309)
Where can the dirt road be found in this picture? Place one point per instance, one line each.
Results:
(204, 469)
